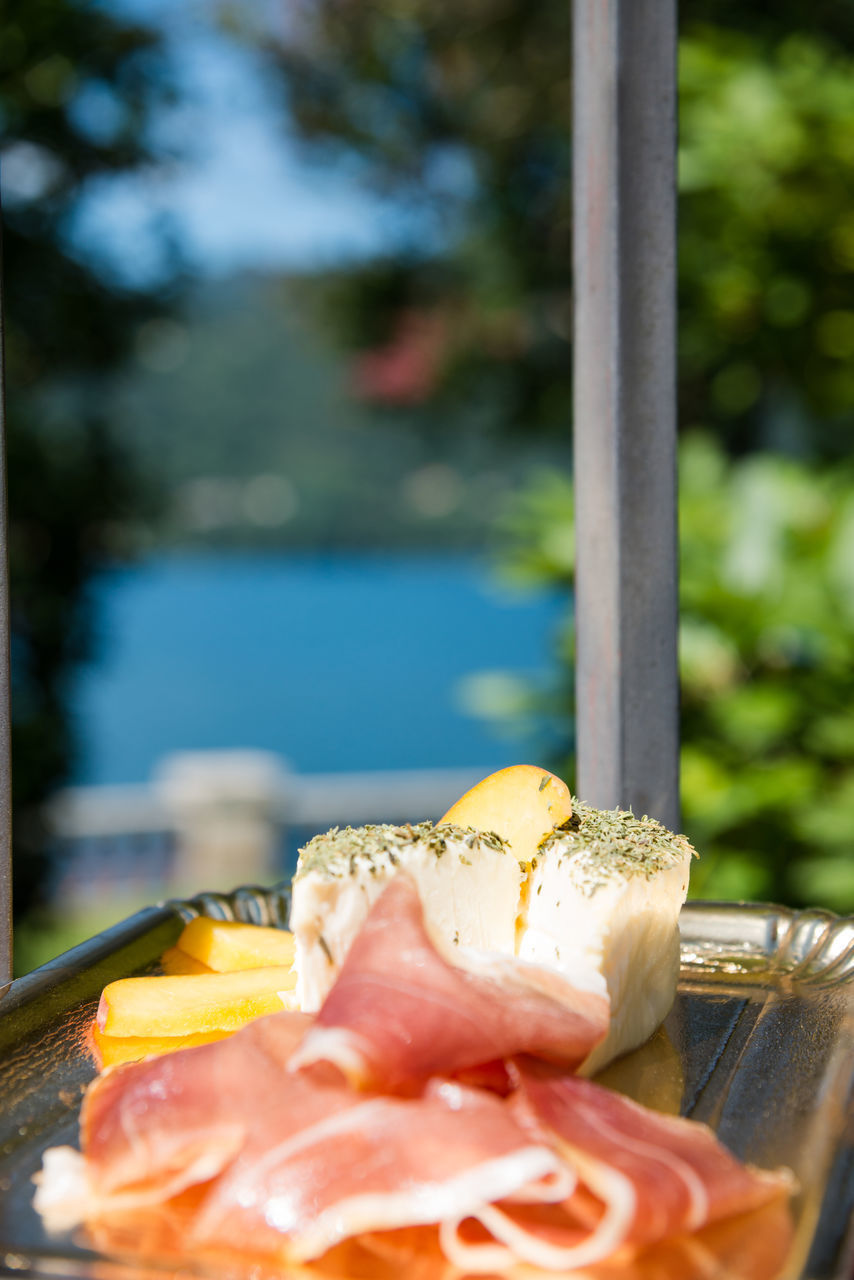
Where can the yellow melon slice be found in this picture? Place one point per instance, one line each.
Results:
(110, 1051)
(174, 960)
(226, 945)
(186, 1004)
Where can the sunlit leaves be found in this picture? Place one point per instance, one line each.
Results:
(766, 167)
(766, 644)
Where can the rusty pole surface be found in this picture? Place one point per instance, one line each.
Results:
(5, 714)
(624, 206)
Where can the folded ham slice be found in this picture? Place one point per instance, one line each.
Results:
(156, 1126)
(399, 1012)
(385, 1163)
(153, 1128)
(288, 1165)
(428, 1093)
(643, 1178)
(748, 1246)
(682, 1176)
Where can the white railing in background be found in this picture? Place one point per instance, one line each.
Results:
(213, 820)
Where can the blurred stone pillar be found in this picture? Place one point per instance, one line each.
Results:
(226, 807)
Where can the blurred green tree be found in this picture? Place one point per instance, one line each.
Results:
(76, 92)
(461, 113)
(464, 111)
(766, 637)
(767, 241)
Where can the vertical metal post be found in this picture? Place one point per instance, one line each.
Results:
(624, 197)
(5, 715)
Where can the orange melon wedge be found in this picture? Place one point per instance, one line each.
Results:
(186, 1004)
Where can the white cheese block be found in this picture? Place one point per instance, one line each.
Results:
(468, 882)
(603, 901)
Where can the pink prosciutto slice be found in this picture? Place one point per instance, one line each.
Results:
(387, 1163)
(259, 1146)
(307, 1163)
(399, 1012)
(643, 1178)
(749, 1246)
(156, 1126)
(151, 1129)
(221, 1145)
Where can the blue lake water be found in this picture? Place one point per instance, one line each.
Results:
(334, 662)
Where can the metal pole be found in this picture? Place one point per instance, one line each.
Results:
(624, 196)
(5, 715)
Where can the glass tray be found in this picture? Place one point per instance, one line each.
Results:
(759, 1044)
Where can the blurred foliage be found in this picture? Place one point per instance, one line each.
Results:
(75, 96)
(463, 112)
(767, 241)
(460, 112)
(766, 637)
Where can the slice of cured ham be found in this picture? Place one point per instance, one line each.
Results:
(152, 1128)
(167, 1122)
(643, 1178)
(399, 1012)
(682, 1176)
(386, 1163)
(229, 1152)
(751, 1246)
(258, 1161)
(260, 1147)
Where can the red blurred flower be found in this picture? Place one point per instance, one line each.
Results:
(405, 370)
